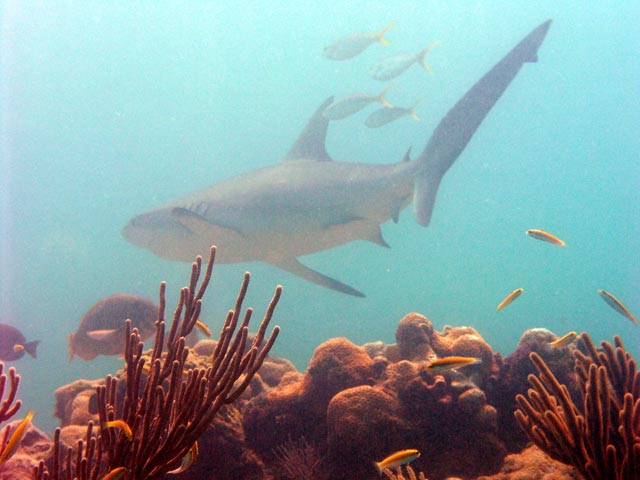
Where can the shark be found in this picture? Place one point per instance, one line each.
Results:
(308, 202)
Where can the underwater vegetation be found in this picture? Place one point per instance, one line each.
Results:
(151, 421)
(600, 434)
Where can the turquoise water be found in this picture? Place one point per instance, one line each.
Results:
(110, 109)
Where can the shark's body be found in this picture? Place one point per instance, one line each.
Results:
(309, 203)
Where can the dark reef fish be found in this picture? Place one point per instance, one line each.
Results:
(308, 202)
(13, 344)
(101, 329)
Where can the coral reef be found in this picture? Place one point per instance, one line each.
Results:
(599, 435)
(150, 419)
(512, 375)
(357, 404)
(533, 464)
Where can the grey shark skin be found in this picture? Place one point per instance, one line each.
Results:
(308, 202)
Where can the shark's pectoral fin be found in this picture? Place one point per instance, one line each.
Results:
(198, 224)
(292, 265)
(375, 236)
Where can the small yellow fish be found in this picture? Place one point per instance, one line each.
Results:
(122, 425)
(449, 363)
(397, 459)
(187, 460)
(200, 325)
(545, 237)
(16, 437)
(115, 474)
(617, 305)
(564, 340)
(509, 298)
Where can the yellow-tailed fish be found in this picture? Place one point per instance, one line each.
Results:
(16, 437)
(346, 106)
(564, 340)
(397, 459)
(391, 67)
(382, 116)
(200, 325)
(351, 45)
(115, 474)
(449, 363)
(545, 237)
(617, 305)
(187, 460)
(122, 425)
(509, 298)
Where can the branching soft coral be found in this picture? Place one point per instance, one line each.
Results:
(152, 422)
(600, 436)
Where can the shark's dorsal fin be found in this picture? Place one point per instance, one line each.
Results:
(292, 265)
(310, 143)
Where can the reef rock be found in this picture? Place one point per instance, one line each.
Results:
(34, 447)
(533, 464)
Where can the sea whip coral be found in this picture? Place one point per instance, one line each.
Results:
(602, 438)
(9, 405)
(166, 405)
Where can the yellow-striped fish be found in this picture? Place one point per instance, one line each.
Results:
(115, 474)
(509, 298)
(351, 45)
(397, 459)
(16, 437)
(122, 425)
(200, 325)
(617, 305)
(449, 363)
(564, 340)
(187, 460)
(545, 237)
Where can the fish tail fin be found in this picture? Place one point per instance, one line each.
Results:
(381, 99)
(412, 111)
(378, 468)
(30, 348)
(422, 58)
(458, 126)
(380, 34)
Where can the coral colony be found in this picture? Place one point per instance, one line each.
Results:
(442, 401)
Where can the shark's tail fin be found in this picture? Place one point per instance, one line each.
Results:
(458, 126)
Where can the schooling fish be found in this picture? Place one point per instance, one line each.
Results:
(16, 437)
(450, 363)
(351, 45)
(617, 305)
(545, 237)
(564, 340)
(397, 459)
(13, 344)
(308, 202)
(510, 298)
(393, 66)
(382, 116)
(101, 329)
(354, 103)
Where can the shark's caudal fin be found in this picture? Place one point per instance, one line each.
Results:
(292, 265)
(458, 126)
